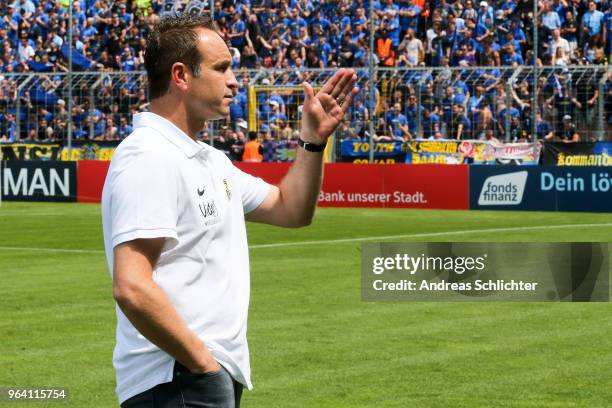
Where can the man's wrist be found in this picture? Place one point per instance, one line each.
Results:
(206, 363)
(311, 147)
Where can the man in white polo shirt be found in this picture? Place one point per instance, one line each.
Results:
(173, 213)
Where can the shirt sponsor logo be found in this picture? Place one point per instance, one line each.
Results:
(210, 212)
(209, 209)
(503, 189)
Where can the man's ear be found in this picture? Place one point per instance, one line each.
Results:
(180, 76)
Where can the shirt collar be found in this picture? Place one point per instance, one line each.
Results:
(171, 132)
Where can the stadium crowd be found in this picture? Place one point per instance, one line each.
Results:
(109, 36)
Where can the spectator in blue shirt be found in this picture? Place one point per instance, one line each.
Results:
(550, 18)
(323, 49)
(269, 146)
(461, 90)
(321, 20)
(592, 21)
(447, 103)
(40, 24)
(409, 16)
(359, 17)
(608, 30)
(510, 56)
(124, 128)
(344, 21)
(276, 115)
(508, 8)
(559, 8)
(236, 110)
(8, 129)
(544, 130)
(241, 96)
(124, 16)
(307, 9)
(26, 5)
(89, 30)
(358, 33)
(430, 124)
(129, 62)
(359, 116)
(237, 32)
(77, 13)
(485, 14)
(391, 21)
(398, 123)
(414, 113)
(95, 119)
(502, 121)
(510, 40)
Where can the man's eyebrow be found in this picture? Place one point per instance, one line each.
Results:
(222, 64)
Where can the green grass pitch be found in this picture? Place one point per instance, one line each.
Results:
(313, 342)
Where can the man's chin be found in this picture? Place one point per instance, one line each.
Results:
(223, 114)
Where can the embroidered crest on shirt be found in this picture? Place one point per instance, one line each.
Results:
(228, 190)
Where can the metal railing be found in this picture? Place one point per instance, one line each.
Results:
(465, 103)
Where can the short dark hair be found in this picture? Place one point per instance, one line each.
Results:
(173, 40)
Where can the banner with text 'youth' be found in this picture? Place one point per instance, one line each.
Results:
(542, 188)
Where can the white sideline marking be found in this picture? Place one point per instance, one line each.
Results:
(343, 240)
(70, 251)
(427, 234)
(29, 214)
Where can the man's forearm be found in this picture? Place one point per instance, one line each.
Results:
(149, 309)
(300, 188)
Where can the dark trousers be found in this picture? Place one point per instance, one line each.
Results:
(187, 390)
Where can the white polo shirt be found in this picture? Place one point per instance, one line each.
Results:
(161, 183)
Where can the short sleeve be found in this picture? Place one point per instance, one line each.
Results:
(253, 190)
(144, 200)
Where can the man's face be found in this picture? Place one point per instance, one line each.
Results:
(208, 95)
